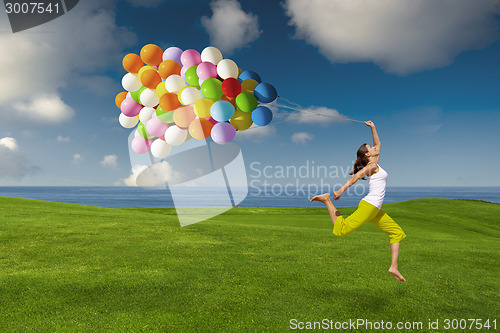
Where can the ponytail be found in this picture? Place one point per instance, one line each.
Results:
(361, 160)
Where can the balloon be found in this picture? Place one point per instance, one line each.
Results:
(175, 135)
(119, 98)
(190, 58)
(231, 87)
(169, 67)
(229, 99)
(173, 53)
(211, 54)
(222, 111)
(212, 120)
(246, 102)
(262, 116)
(146, 114)
(189, 95)
(169, 102)
(130, 108)
(166, 117)
(200, 128)
(143, 69)
(202, 107)
(127, 122)
(150, 78)
(152, 54)
(160, 149)
(156, 127)
(249, 75)
(141, 145)
(183, 116)
(149, 98)
(227, 68)
(174, 83)
(161, 89)
(241, 120)
(191, 77)
(265, 93)
(223, 133)
(132, 63)
(248, 85)
(143, 132)
(211, 88)
(206, 70)
(130, 82)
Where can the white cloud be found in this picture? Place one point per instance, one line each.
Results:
(400, 36)
(230, 28)
(61, 138)
(13, 162)
(319, 115)
(77, 158)
(301, 138)
(145, 3)
(256, 133)
(156, 175)
(49, 109)
(110, 161)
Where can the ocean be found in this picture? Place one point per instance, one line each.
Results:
(137, 197)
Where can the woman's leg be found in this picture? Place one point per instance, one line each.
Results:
(394, 262)
(332, 210)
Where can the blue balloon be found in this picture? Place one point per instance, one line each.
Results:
(222, 111)
(249, 75)
(265, 93)
(262, 116)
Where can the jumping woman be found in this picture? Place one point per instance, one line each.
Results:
(370, 207)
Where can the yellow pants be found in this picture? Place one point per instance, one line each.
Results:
(367, 212)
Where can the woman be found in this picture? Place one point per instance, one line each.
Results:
(369, 208)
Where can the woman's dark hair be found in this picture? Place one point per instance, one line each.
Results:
(361, 160)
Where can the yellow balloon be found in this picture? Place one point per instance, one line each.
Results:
(143, 69)
(241, 120)
(202, 107)
(160, 89)
(248, 85)
(179, 94)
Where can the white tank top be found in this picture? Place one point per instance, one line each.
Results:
(377, 183)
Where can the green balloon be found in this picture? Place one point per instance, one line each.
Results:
(192, 78)
(137, 94)
(246, 102)
(166, 117)
(141, 129)
(211, 88)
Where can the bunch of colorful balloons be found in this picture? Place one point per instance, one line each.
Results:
(175, 95)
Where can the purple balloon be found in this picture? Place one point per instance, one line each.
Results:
(206, 70)
(183, 72)
(130, 108)
(223, 133)
(156, 127)
(141, 145)
(190, 58)
(173, 53)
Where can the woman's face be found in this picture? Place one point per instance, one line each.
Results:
(372, 151)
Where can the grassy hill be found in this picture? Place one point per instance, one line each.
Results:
(69, 267)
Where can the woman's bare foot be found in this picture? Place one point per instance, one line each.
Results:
(322, 197)
(395, 272)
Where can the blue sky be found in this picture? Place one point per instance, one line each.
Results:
(427, 74)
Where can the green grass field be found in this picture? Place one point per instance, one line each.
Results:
(79, 268)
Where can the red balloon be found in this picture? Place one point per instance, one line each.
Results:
(231, 87)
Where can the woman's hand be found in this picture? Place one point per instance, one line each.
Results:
(337, 194)
(370, 123)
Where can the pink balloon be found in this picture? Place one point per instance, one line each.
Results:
(223, 133)
(206, 70)
(141, 145)
(190, 58)
(130, 108)
(156, 127)
(212, 120)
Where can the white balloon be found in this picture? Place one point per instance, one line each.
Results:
(175, 135)
(146, 114)
(227, 68)
(160, 149)
(174, 83)
(127, 122)
(211, 54)
(149, 98)
(131, 83)
(190, 95)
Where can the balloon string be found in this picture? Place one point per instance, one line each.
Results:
(315, 113)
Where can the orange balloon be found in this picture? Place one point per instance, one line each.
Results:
(119, 98)
(229, 99)
(169, 102)
(152, 54)
(200, 128)
(169, 67)
(184, 115)
(132, 63)
(150, 79)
